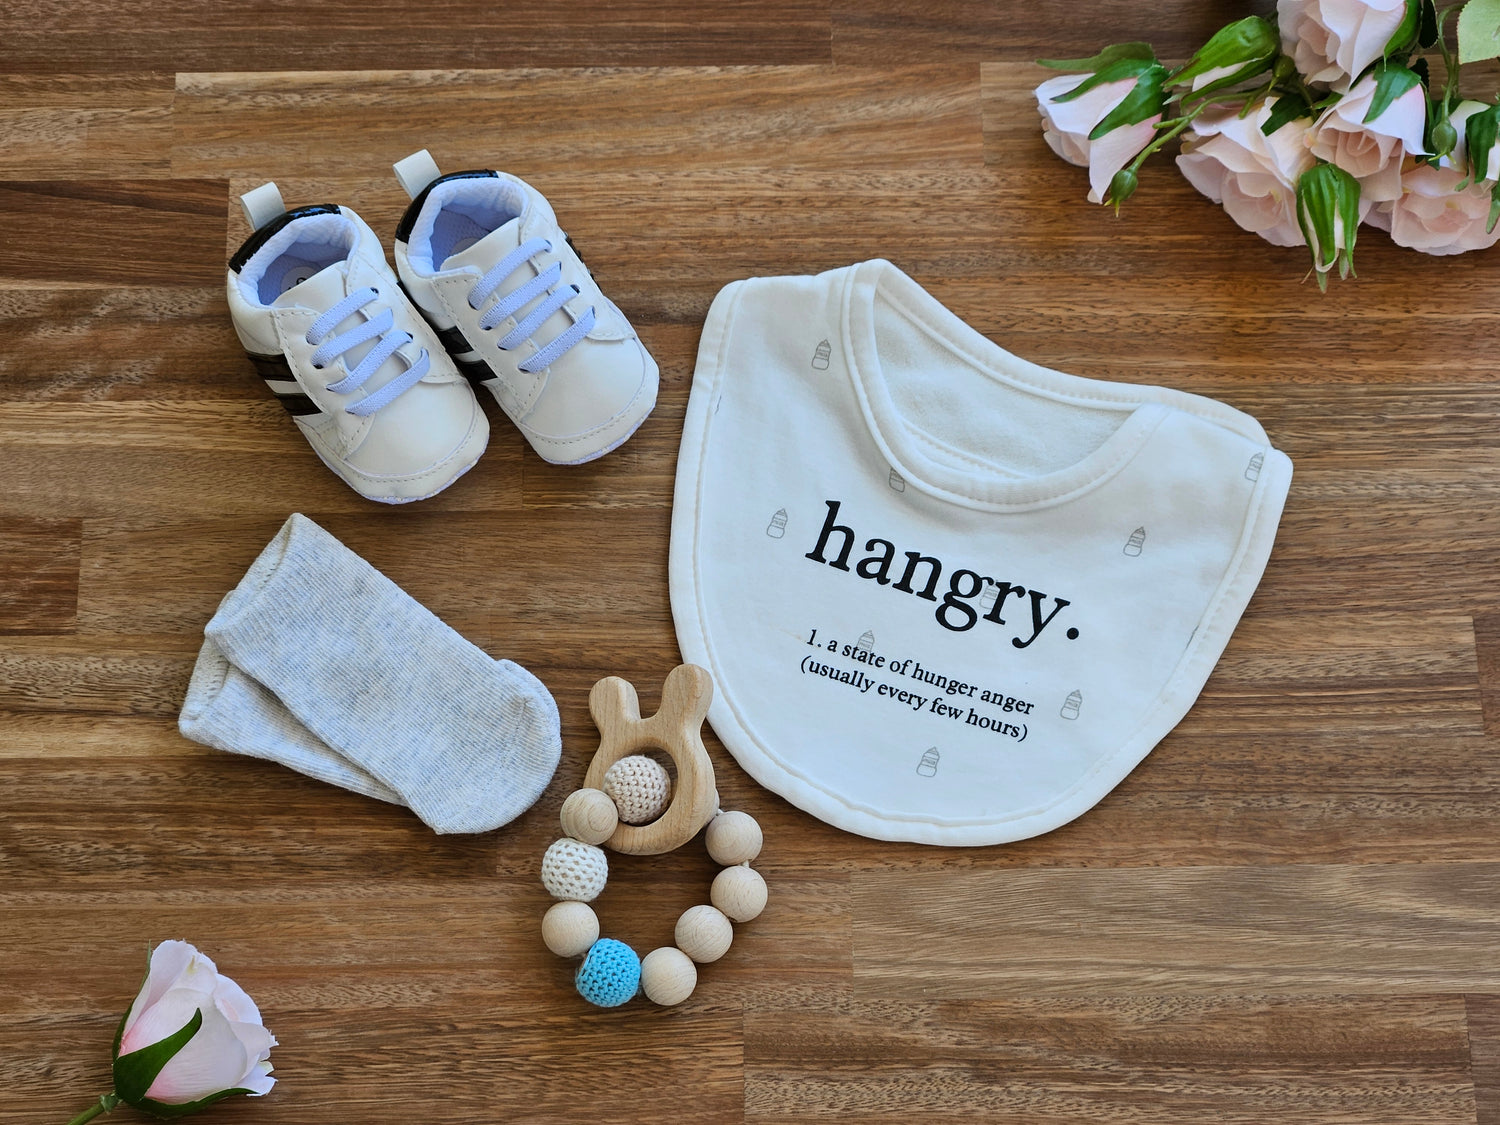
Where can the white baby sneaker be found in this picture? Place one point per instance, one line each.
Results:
(482, 256)
(328, 328)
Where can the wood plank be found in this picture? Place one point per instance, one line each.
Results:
(1055, 1061)
(1487, 646)
(89, 344)
(115, 232)
(1397, 929)
(278, 473)
(239, 35)
(39, 575)
(85, 126)
(897, 31)
(1483, 1014)
(256, 125)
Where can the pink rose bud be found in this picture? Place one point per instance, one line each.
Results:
(191, 1037)
(1328, 210)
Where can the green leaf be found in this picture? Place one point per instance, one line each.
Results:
(1249, 44)
(1428, 30)
(1144, 101)
(135, 1072)
(1407, 32)
(1391, 81)
(1113, 72)
(1288, 108)
(1110, 54)
(1479, 31)
(1494, 207)
(1481, 131)
(168, 1111)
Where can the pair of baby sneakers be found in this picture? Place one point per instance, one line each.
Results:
(378, 370)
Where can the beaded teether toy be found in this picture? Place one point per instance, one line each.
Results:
(625, 805)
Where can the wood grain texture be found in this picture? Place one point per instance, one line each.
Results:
(1285, 913)
(244, 35)
(1246, 1060)
(893, 31)
(131, 232)
(39, 575)
(1483, 1016)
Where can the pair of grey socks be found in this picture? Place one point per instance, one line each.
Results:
(318, 661)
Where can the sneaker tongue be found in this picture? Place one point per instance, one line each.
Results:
(488, 250)
(320, 292)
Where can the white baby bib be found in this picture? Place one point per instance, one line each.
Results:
(947, 595)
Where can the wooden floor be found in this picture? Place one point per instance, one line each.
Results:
(1287, 913)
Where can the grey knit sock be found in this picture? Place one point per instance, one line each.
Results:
(468, 742)
(228, 710)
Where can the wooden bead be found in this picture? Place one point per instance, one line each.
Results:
(732, 838)
(739, 892)
(704, 933)
(589, 815)
(668, 976)
(569, 929)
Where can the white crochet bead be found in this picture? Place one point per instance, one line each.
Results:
(574, 870)
(640, 788)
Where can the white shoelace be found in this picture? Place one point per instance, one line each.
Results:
(381, 326)
(546, 282)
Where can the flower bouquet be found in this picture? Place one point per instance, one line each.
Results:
(1303, 128)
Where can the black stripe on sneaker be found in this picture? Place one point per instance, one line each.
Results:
(276, 369)
(272, 366)
(260, 237)
(297, 404)
(453, 341)
(409, 220)
(476, 371)
(568, 238)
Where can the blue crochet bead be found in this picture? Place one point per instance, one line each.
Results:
(610, 974)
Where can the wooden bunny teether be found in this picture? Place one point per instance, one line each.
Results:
(674, 729)
(622, 783)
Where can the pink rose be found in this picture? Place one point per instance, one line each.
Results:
(1433, 217)
(231, 1049)
(1372, 151)
(1334, 40)
(1228, 159)
(1066, 127)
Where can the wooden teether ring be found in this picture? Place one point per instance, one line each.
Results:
(675, 729)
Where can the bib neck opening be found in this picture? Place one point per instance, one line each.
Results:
(965, 420)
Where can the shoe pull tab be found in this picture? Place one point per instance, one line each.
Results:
(262, 205)
(416, 172)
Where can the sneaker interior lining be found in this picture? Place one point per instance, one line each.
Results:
(457, 214)
(294, 253)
